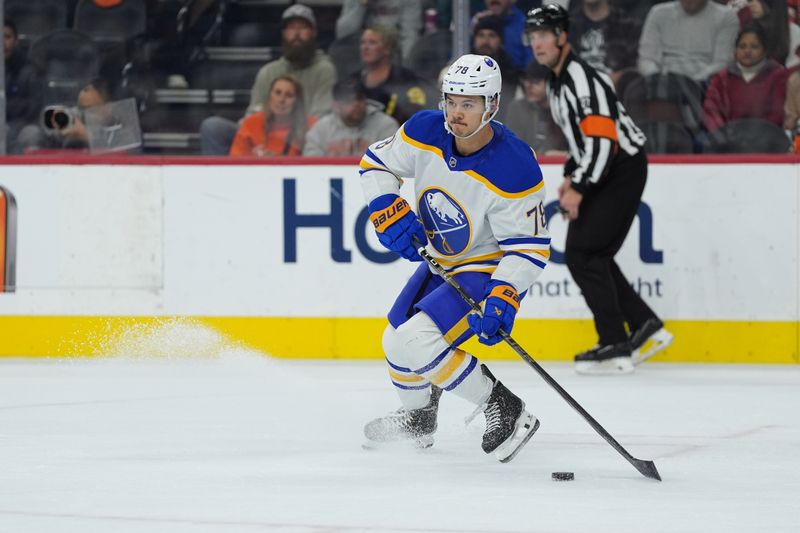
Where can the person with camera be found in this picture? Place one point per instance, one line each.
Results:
(62, 127)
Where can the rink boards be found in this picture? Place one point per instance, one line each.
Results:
(282, 259)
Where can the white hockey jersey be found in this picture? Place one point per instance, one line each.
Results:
(483, 212)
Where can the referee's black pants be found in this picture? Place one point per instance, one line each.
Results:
(593, 239)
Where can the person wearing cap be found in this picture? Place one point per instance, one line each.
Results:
(487, 39)
(354, 124)
(529, 116)
(405, 16)
(301, 59)
(604, 178)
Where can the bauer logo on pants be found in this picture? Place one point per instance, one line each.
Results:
(445, 221)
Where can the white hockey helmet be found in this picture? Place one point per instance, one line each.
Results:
(473, 75)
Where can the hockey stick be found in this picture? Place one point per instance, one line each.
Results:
(646, 468)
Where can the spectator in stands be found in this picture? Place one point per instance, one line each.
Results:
(300, 59)
(403, 15)
(280, 129)
(693, 38)
(530, 118)
(783, 36)
(23, 95)
(400, 91)
(753, 86)
(791, 119)
(513, 29)
(595, 26)
(487, 39)
(354, 124)
(51, 133)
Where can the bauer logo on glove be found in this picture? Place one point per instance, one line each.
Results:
(396, 225)
(499, 309)
(386, 217)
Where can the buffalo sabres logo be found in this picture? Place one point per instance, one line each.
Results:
(445, 221)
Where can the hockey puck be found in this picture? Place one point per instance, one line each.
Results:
(563, 476)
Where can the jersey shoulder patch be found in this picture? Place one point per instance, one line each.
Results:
(511, 169)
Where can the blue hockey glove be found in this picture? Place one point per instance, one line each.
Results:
(396, 224)
(499, 309)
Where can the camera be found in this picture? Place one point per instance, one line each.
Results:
(57, 118)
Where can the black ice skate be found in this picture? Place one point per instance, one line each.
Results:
(416, 425)
(649, 339)
(605, 359)
(508, 425)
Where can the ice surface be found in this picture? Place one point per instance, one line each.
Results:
(241, 442)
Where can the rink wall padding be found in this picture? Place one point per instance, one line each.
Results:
(117, 255)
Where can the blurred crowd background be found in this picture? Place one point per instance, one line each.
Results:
(329, 77)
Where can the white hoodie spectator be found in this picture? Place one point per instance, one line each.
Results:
(690, 37)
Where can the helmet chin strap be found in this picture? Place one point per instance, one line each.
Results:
(484, 119)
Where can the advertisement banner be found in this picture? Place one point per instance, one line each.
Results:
(250, 248)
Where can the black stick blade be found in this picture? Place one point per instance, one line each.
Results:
(646, 468)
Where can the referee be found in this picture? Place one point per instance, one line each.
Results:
(604, 177)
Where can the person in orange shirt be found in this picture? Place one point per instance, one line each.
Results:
(280, 129)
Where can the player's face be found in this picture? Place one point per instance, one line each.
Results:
(464, 113)
(282, 98)
(544, 44)
(749, 50)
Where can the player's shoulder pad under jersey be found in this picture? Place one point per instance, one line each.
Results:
(426, 128)
(511, 167)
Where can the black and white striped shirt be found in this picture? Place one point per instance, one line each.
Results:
(595, 123)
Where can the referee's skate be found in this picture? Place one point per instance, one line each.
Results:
(649, 339)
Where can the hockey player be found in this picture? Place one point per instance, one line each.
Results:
(478, 196)
(604, 178)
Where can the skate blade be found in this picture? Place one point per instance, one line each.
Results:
(609, 367)
(527, 424)
(657, 342)
(421, 443)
